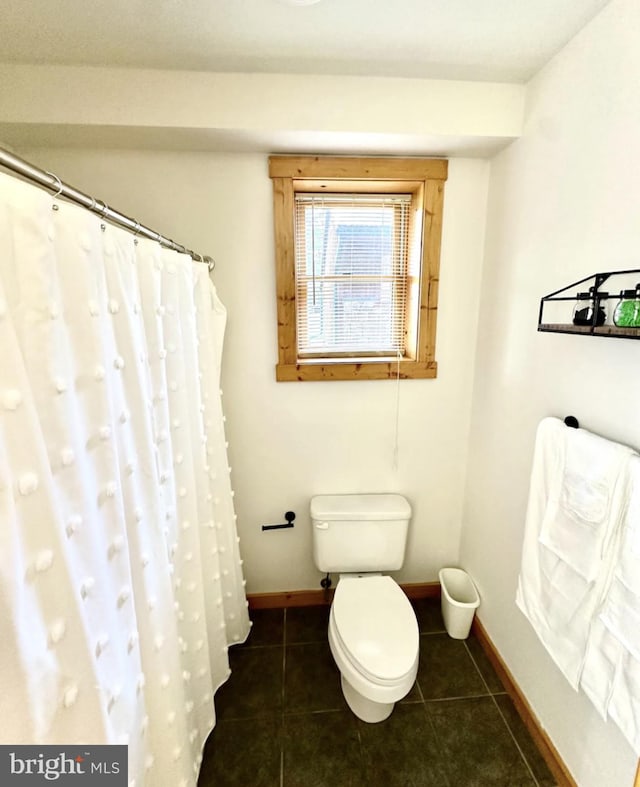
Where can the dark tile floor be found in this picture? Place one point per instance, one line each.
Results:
(282, 720)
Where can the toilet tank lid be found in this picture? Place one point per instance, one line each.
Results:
(355, 507)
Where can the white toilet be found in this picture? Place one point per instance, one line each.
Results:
(373, 631)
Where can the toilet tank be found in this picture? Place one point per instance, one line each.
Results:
(359, 533)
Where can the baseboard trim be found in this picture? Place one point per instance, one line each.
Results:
(541, 739)
(289, 598)
(309, 598)
(416, 590)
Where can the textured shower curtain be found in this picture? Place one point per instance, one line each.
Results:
(120, 577)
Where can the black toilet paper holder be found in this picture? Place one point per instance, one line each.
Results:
(289, 516)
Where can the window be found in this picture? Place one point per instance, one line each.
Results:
(351, 255)
(357, 260)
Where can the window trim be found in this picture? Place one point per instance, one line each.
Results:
(425, 178)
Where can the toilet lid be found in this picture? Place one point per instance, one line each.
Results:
(377, 626)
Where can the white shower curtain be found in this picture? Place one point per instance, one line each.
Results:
(120, 577)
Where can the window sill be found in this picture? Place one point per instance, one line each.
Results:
(369, 370)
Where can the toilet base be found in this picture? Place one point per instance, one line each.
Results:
(365, 709)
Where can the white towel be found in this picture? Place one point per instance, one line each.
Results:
(628, 563)
(621, 608)
(621, 615)
(624, 706)
(602, 661)
(572, 523)
(586, 500)
(579, 582)
(611, 675)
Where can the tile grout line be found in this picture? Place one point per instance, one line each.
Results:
(475, 664)
(425, 704)
(502, 716)
(456, 698)
(526, 761)
(436, 736)
(284, 666)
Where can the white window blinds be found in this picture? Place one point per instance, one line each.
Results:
(351, 258)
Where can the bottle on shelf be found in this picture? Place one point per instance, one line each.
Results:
(590, 304)
(626, 311)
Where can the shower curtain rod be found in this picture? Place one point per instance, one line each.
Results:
(53, 182)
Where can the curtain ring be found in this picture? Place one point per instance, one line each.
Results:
(104, 210)
(55, 206)
(211, 263)
(58, 181)
(92, 207)
(138, 228)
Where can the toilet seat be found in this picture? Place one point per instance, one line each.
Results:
(376, 628)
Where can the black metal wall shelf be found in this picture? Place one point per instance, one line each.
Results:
(596, 281)
(589, 330)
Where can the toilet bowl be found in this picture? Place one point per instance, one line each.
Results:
(373, 631)
(374, 640)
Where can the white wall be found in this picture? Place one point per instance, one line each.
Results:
(76, 106)
(563, 203)
(289, 441)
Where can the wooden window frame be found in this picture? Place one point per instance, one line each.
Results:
(425, 179)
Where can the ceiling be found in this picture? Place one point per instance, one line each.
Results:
(488, 40)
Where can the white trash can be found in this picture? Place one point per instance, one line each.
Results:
(459, 600)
